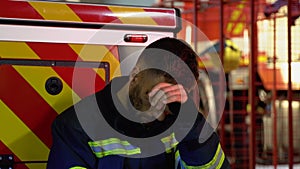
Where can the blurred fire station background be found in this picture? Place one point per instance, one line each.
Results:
(260, 56)
(258, 42)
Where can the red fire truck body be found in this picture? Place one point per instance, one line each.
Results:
(53, 54)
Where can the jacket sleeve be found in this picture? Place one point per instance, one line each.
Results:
(200, 148)
(70, 144)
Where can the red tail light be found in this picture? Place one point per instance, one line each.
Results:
(137, 38)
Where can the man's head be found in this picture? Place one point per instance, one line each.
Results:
(173, 56)
(166, 60)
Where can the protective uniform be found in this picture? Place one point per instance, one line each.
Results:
(73, 147)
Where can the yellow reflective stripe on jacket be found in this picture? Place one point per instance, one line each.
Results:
(113, 146)
(215, 163)
(169, 142)
(77, 167)
(177, 159)
(109, 141)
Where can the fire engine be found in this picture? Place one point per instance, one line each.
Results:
(53, 54)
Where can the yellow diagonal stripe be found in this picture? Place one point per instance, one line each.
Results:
(37, 76)
(17, 137)
(238, 28)
(55, 11)
(131, 15)
(98, 53)
(235, 15)
(16, 50)
(229, 26)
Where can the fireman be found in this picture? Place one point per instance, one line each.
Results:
(146, 120)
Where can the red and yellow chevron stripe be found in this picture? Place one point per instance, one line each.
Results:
(27, 110)
(87, 13)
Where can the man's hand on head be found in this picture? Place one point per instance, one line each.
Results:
(162, 94)
(172, 92)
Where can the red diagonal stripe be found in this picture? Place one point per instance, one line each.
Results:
(26, 103)
(18, 9)
(5, 150)
(53, 51)
(114, 51)
(97, 14)
(84, 81)
(167, 17)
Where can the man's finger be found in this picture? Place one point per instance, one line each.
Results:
(172, 88)
(158, 87)
(175, 93)
(159, 97)
(176, 98)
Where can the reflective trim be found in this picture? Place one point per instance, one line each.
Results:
(177, 160)
(169, 142)
(113, 146)
(77, 167)
(215, 163)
